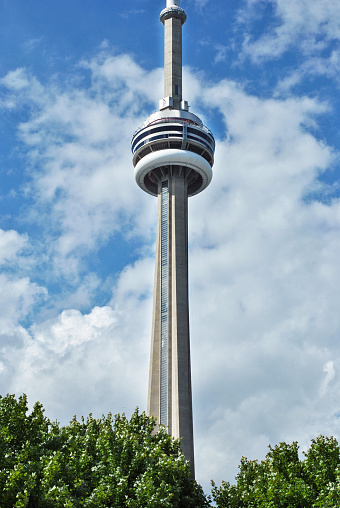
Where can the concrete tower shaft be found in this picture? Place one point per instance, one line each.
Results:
(170, 397)
(173, 155)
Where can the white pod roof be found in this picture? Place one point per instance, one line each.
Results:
(173, 157)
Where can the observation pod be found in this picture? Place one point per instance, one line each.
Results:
(173, 155)
(173, 140)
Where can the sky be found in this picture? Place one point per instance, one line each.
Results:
(77, 235)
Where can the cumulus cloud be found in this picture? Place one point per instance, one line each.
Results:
(264, 283)
(329, 376)
(76, 142)
(16, 80)
(199, 4)
(18, 295)
(314, 24)
(11, 243)
(131, 12)
(221, 53)
(312, 67)
(17, 298)
(95, 362)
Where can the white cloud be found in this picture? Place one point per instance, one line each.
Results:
(330, 374)
(313, 24)
(264, 276)
(131, 12)
(95, 362)
(199, 4)
(77, 142)
(11, 243)
(22, 88)
(16, 80)
(30, 45)
(311, 68)
(221, 53)
(18, 295)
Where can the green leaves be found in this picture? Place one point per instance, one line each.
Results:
(116, 462)
(21, 447)
(106, 462)
(282, 480)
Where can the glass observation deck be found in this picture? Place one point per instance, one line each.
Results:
(173, 132)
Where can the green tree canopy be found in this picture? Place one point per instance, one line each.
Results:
(107, 462)
(282, 480)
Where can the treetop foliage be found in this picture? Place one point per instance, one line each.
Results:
(116, 462)
(282, 480)
(106, 462)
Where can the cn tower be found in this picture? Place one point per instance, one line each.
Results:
(173, 155)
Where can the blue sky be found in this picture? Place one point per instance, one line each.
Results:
(77, 235)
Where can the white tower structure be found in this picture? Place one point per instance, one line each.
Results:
(173, 155)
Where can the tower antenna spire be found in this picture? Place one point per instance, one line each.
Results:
(173, 155)
(173, 17)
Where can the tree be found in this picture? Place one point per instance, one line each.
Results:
(107, 462)
(283, 480)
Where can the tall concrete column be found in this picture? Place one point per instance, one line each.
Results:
(173, 17)
(182, 424)
(173, 60)
(173, 155)
(170, 395)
